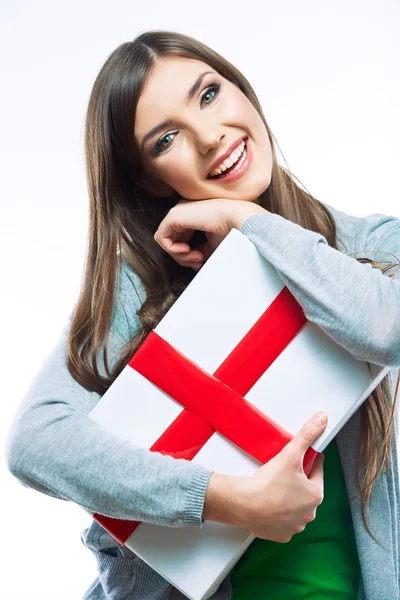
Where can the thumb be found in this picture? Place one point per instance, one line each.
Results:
(310, 431)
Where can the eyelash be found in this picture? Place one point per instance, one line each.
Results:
(213, 87)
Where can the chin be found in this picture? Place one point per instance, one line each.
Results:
(261, 188)
(251, 192)
(253, 195)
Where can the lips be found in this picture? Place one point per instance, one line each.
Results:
(239, 169)
(221, 158)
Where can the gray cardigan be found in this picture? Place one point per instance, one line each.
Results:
(55, 448)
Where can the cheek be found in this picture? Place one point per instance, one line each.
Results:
(245, 115)
(253, 120)
(177, 172)
(240, 109)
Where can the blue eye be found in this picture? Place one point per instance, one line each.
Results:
(212, 90)
(160, 144)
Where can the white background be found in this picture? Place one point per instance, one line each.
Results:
(327, 77)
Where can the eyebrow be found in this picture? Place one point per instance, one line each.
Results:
(169, 122)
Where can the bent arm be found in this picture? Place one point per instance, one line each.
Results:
(355, 304)
(55, 448)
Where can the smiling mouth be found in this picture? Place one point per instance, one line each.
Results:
(233, 167)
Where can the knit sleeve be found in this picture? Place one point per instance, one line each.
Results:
(55, 448)
(355, 304)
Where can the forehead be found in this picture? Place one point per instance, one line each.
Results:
(165, 90)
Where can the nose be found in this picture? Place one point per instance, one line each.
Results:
(208, 140)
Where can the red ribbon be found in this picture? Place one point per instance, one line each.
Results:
(215, 402)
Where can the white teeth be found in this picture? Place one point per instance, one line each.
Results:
(228, 162)
(233, 157)
(240, 161)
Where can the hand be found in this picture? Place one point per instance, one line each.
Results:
(216, 217)
(278, 500)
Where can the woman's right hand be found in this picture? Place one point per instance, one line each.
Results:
(279, 499)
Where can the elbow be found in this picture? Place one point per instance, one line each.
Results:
(393, 358)
(385, 356)
(21, 452)
(15, 456)
(381, 334)
(389, 346)
(25, 465)
(394, 352)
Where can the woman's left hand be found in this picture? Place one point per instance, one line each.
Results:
(216, 217)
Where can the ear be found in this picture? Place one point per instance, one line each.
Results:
(155, 186)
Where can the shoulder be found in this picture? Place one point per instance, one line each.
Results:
(132, 284)
(129, 297)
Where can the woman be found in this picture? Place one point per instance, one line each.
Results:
(177, 145)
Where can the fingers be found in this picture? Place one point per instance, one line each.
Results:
(170, 246)
(310, 431)
(172, 237)
(211, 216)
(180, 250)
(193, 259)
(317, 474)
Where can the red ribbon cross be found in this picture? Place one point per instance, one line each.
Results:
(215, 402)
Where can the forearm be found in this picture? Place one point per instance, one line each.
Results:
(55, 448)
(356, 305)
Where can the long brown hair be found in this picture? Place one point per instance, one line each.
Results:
(123, 219)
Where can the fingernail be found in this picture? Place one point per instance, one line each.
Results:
(320, 418)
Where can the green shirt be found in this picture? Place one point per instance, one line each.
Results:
(320, 562)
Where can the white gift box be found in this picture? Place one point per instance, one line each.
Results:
(227, 345)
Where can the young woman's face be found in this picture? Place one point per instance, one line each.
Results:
(180, 153)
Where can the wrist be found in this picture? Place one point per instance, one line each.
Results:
(245, 210)
(224, 500)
